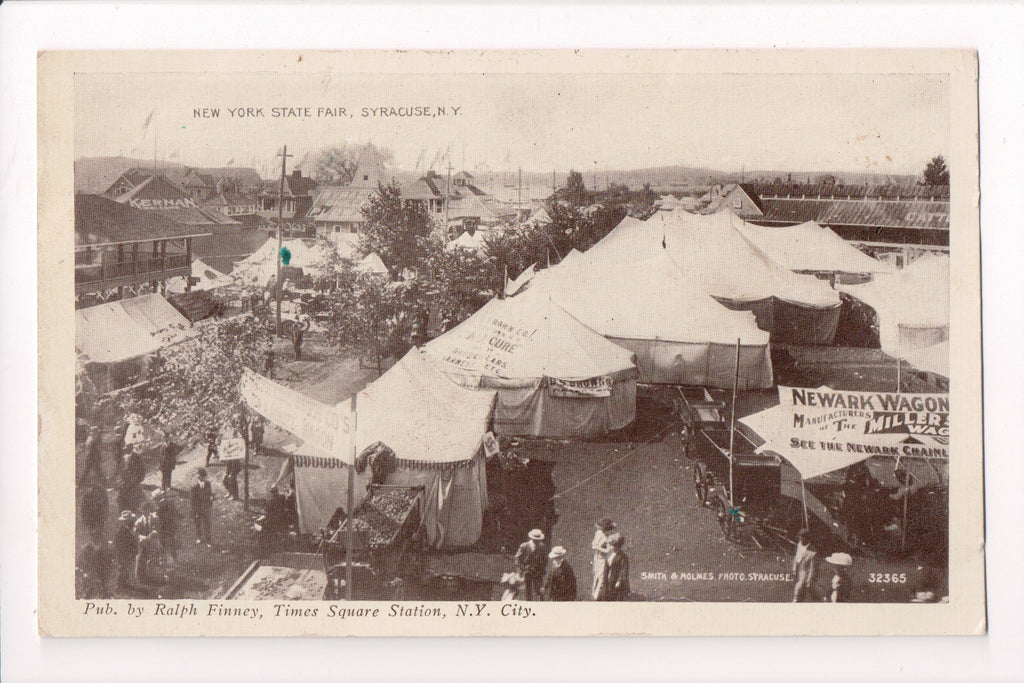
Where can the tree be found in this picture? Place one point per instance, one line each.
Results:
(455, 283)
(936, 173)
(369, 316)
(194, 384)
(575, 190)
(395, 230)
(642, 206)
(336, 164)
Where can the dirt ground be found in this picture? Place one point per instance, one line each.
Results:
(638, 477)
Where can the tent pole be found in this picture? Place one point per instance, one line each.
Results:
(803, 495)
(732, 420)
(906, 504)
(351, 494)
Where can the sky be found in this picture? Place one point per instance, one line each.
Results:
(729, 122)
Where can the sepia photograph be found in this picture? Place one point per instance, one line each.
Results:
(416, 346)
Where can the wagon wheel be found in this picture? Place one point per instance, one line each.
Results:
(700, 484)
(726, 521)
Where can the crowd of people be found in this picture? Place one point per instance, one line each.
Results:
(541, 574)
(143, 547)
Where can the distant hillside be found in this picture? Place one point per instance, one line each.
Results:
(95, 174)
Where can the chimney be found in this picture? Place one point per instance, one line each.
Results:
(296, 174)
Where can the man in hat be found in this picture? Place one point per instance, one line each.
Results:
(842, 564)
(168, 461)
(256, 431)
(211, 444)
(126, 547)
(94, 510)
(616, 570)
(531, 560)
(599, 545)
(805, 566)
(120, 446)
(202, 506)
(166, 524)
(560, 581)
(92, 456)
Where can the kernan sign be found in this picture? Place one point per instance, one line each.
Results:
(156, 204)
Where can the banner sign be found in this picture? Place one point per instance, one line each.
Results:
(231, 449)
(570, 388)
(865, 412)
(328, 429)
(490, 348)
(822, 430)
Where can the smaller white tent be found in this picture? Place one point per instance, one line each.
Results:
(912, 305)
(808, 247)
(555, 376)
(261, 266)
(208, 278)
(474, 242)
(436, 430)
(372, 265)
(933, 359)
(539, 217)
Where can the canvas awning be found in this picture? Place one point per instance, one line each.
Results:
(107, 334)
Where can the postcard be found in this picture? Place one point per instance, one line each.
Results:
(471, 343)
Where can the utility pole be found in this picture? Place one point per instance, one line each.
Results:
(447, 193)
(280, 223)
(520, 189)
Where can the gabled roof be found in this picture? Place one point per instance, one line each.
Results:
(162, 195)
(918, 214)
(427, 187)
(230, 198)
(99, 221)
(340, 205)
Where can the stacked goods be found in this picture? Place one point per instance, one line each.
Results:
(382, 514)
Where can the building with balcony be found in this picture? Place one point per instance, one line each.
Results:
(122, 251)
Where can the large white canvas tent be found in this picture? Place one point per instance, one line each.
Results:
(435, 428)
(715, 257)
(259, 267)
(208, 278)
(912, 305)
(811, 248)
(794, 308)
(157, 317)
(680, 335)
(555, 376)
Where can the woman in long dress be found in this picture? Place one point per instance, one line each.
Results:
(605, 527)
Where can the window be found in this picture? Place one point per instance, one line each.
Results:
(737, 204)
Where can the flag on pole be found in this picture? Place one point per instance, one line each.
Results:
(231, 161)
(149, 120)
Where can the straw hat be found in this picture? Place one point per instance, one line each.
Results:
(840, 559)
(536, 534)
(557, 552)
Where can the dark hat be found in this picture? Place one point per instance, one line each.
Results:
(605, 524)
